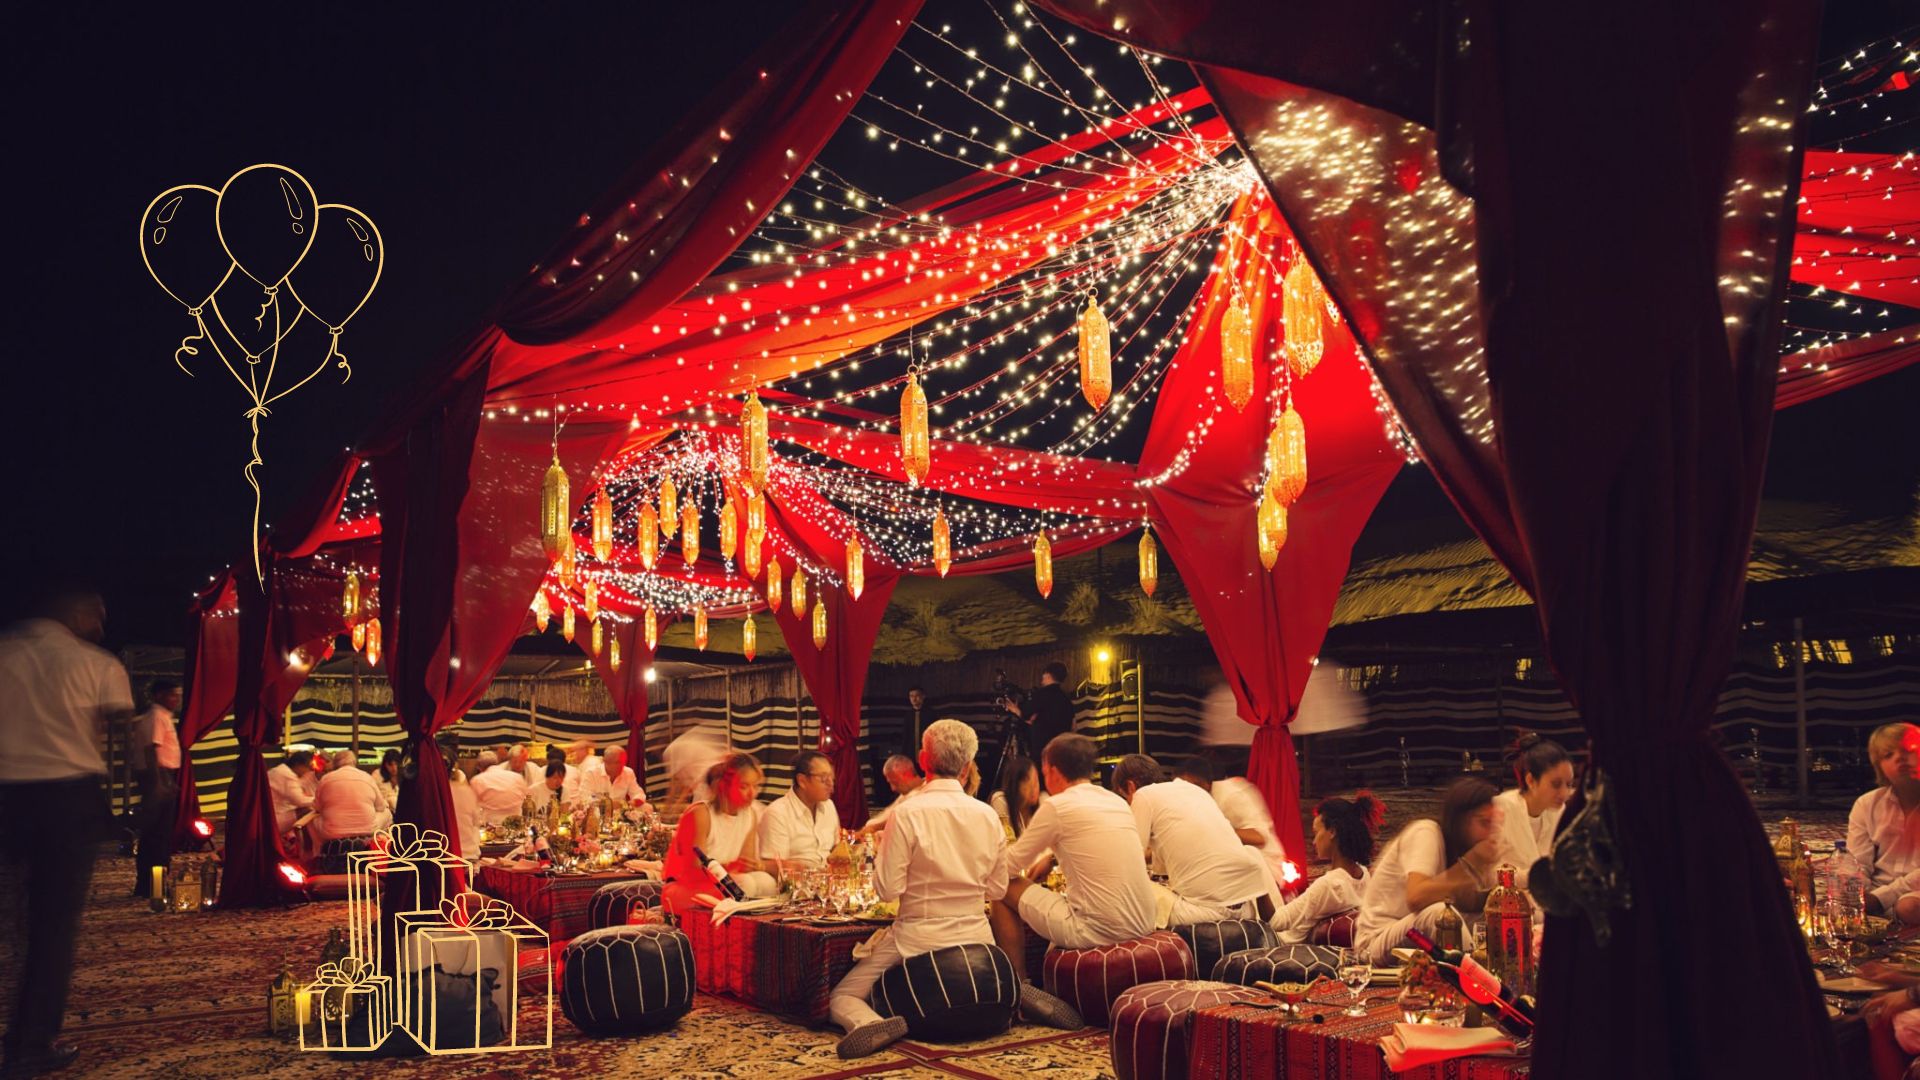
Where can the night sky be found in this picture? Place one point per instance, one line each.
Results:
(474, 141)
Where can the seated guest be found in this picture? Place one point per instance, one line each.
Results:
(349, 802)
(389, 778)
(1342, 835)
(1530, 812)
(559, 784)
(904, 779)
(1018, 797)
(559, 755)
(798, 830)
(1246, 811)
(1883, 830)
(466, 809)
(942, 857)
(1211, 875)
(1091, 832)
(287, 783)
(1429, 865)
(499, 792)
(723, 828)
(612, 779)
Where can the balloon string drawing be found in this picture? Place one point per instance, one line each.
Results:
(262, 242)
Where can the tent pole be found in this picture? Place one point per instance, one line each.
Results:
(533, 710)
(1800, 707)
(726, 688)
(1140, 704)
(356, 707)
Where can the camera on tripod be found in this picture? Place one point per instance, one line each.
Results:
(1008, 692)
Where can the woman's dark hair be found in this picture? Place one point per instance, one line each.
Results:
(391, 757)
(1353, 823)
(1532, 756)
(1011, 777)
(1462, 798)
(297, 758)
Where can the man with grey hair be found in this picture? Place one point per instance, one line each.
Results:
(942, 857)
(348, 801)
(904, 780)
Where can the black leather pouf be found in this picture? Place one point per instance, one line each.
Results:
(1212, 940)
(1279, 964)
(625, 980)
(613, 905)
(950, 995)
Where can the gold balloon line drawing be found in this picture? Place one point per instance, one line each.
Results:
(262, 242)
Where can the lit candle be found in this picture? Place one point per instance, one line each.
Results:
(302, 1006)
(159, 883)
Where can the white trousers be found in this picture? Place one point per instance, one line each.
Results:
(848, 1005)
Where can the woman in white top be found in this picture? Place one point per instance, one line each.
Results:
(1343, 831)
(1530, 812)
(724, 828)
(1430, 865)
(1883, 831)
(466, 810)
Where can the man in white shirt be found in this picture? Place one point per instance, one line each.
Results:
(349, 802)
(499, 792)
(1211, 875)
(904, 779)
(287, 782)
(798, 830)
(612, 779)
(1091, 832)
(1246, 811)
(559, 783)
(942, 857)
(61, 692)
(156, 752)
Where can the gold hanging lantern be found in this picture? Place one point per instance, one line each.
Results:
(566, 623)
(652, 627)
(1043, 563)
(856, 567)
(359, 633)
(1149, 562)
(1271, 527)
(646, 536)
(556, 509)
(753, 422)
(592, 593)
(1236, 353)
(568, 561)
(700, 628)
(916, 445)
(729, 529)
(1287, 457)
(942, 542)
(820, 625)
(773, 584)
(1303, 314)
(669, 507)
(613, 654)
(373, 641)
(350, 599)
(756, 513)
(747, 638)
(542, 611)
(750, 555)
(799, 592)
(597, 638)
(602, 525)
(1096, 354)
(690, 532)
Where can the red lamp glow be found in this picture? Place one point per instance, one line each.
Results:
(202, 828)
(295, 877)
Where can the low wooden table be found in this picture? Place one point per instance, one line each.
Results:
(1240, 1040)
(557, 903)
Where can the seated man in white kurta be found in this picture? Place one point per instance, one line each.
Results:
(1211, 875)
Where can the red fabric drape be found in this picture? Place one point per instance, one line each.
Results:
(213, 647)
(1856, 219)
(627, 686)
(1815, 373)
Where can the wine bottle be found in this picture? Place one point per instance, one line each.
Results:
(1510, 1010)
(718, 872)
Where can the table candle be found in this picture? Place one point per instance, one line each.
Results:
(159, 883)
(302, 1006)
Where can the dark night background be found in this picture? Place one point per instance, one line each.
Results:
(474, 135)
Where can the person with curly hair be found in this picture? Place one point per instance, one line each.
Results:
(1343, 832)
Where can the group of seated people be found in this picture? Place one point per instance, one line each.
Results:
(324, 798)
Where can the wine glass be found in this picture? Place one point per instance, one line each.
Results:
(1355, 972)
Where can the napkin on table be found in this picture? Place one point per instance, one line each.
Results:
(1414, 1045)
(728, 908)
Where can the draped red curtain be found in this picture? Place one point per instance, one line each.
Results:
(213, 647)
(628, 684)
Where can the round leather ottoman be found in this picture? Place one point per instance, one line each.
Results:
(624, 980)
(953, 994)
(1336, 930)
(1212, 940)
(1282, 963)
(1152, 1025)
(1090, 979)
(614, 904)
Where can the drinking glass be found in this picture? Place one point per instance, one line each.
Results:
(1355, 973)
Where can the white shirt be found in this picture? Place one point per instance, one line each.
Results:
(350, 803)
(1246, 808)
(1330, 894)
(1206, 863)
(155, 729)
(1524, 840)
(594, 784)
(727, 833)
(569, 792)
(1883, 839)
(289, 795)
(1419, 849)
(1091, 831)
(943, 855)
(56, 695)
(789, 830)
(466, 814)
(388, 791)
(499, 793)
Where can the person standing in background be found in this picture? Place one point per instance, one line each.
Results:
(1046, 714)
(905, 744)
(62, 691)
(155, 747)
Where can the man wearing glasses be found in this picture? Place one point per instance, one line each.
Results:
(799, 830)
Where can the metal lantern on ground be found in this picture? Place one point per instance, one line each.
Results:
(566, 623)
(942, 542)
(916, 445)
(1043, 563)
(602, 525)
(652, 627)
(556, 509)
(729, 529)
(799, 593)
(753, 424)
(1149, 562)
(1096, 354)
(646, 536)
(542, 611)
(690, 532)
(592, 593)
(1303, 315)
(1236, 353)
(700, 628)
(774, 581)
(669, 507)
(856, 567)
(1287, 457)
(820, 624)
(1271, 526)
(373, 641)
(748, 637)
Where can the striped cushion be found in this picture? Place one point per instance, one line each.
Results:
(1090, 979)
(1152, 1025)
(1282, 963)
(1212, 940)
(950, 995)
(626, 979)
(614, 904)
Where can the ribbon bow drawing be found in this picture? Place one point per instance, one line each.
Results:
(351, 973)
(408, 841)
(472, 911)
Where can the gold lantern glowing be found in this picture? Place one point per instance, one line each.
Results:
(820, 625)
(700, 628)
(613, 654)
(566, 622)
(568, 560)
(373, 641)
(750, 555)
(916, 445)
(747, 637)
(359, 633)
(942, 542)
(1236, 353)
(753, 424)
(1043, 563)
(1149, 562)
(1287, 457)
(1303, 314)
(773, 584)
(856, 567)
(597, 639)
(799, 592)
(1096, 354)
(350, 599)
(652, 627)
(729, 529)
(542, 611)
(556, 509)
(646, 536)
(669, 507)
(690, 532)
(592, 593)
(756, 513)
(1271, 527)
(602, 525)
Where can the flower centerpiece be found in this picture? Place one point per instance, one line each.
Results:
(1426, 997)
